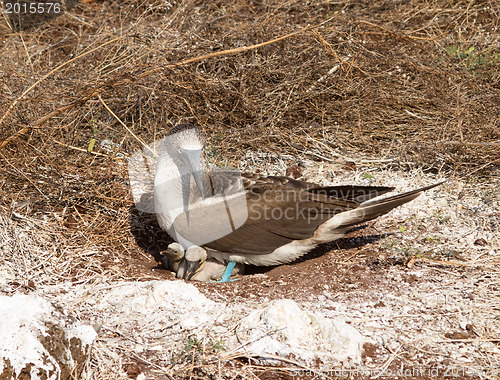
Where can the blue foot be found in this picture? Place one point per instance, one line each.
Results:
(226, 276)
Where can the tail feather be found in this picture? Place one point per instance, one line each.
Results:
(372, 209)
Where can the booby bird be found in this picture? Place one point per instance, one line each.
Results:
(273, 219)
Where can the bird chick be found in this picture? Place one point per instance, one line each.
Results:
(195, 266)
(172, 256)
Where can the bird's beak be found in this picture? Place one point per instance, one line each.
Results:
(193, 159)
(192, 268)
(181, 270)
(187, 269)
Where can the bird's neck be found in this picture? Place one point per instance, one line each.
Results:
(167, 186)
(172, 183)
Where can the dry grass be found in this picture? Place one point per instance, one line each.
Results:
(399, 85)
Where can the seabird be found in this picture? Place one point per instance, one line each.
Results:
(250, 218)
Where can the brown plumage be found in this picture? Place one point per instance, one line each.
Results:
(273, 219)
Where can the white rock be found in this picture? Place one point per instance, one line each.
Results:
(151, 301)
(38, 339)
(284, 329)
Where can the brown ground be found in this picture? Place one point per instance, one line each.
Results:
(407, 84)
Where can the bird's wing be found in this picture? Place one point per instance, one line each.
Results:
(282, 209)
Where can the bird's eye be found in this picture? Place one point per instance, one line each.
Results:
(179, 151)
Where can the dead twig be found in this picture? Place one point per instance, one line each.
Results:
(441, 262)
(86, 151)
(469, 340)
(459, 115)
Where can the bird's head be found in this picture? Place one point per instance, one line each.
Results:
(173, 255)
(185, 144)
(194, 262)
(175, 251)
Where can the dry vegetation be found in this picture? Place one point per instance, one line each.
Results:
(401, 84)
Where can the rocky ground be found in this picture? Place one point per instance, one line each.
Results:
(389, 93)
(414, 293)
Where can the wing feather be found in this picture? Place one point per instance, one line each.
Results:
(282, 209)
